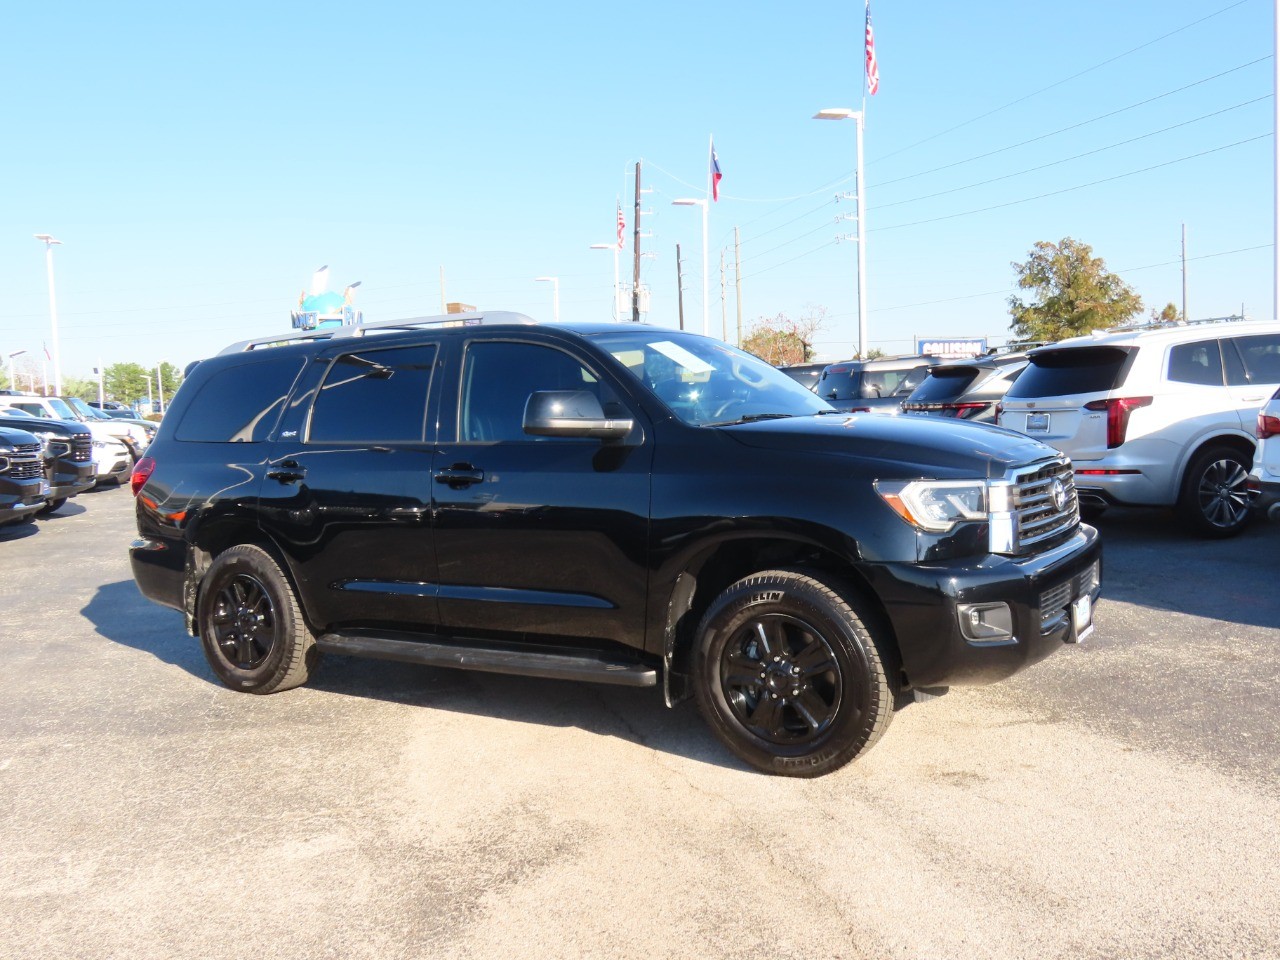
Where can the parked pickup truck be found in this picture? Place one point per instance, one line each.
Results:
(23, 488)
(609, 502)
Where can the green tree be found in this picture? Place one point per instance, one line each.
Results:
(1070, 293)
(170, 380)
(1170, 314)
(126, 382)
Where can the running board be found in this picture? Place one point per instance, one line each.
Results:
(563, 664)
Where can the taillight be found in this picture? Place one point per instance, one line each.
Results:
(963, 411)
(1267, 426)
(142, 471)
(1118, 409)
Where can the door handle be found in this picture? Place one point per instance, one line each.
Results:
(460, 475)
(289, 471)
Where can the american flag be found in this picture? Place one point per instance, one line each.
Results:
(622, 225)
(873, 67)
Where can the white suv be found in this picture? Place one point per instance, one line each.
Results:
(1265, 479)
(1155, 417)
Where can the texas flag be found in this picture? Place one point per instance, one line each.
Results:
(715, 173)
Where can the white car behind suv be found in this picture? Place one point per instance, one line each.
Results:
(1265, 479)
(1155, 417)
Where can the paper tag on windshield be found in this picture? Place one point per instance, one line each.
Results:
(682, 356)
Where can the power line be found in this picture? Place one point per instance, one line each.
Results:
(1059, 83)
(1078, 156)
(1074, 126)
(1079, 186)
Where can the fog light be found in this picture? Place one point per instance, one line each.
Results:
(986, 622)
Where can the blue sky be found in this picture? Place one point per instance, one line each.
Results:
(199, 163)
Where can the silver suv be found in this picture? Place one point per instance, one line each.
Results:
(1155, 417)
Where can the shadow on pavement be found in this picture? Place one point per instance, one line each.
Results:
(17, 531)
(122, 615)
(68, 509)
(1151, 560)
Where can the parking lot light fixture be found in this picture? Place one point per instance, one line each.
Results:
(845, 113)
(617, 312)
(48, 242)
(555, 295)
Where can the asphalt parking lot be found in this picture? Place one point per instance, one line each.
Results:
(1120, 800)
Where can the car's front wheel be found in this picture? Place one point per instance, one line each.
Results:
(1215, 495)
(788, 675)
(251, 627)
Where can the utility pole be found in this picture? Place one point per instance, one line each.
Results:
(724, 320)
(635, 272)
(737, 278)
(680, 286)
(1185, 318)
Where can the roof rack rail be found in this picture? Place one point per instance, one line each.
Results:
(1168, 324)
(360, 329)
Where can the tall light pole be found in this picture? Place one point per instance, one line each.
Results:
(614, 247)
(159, 386)
(700, 202)
(13, 384)
(555, 295)
(53, 311)
(844, 113)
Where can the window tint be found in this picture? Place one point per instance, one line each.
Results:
(840, 382)
(1196, 363)
(498, 378)
(944, 384)
(1261, 356)
(239, 404)
(374, 396)
(1073, 370)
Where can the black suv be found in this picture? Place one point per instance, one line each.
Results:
(67, 454)
(610, 502)
(23, 487)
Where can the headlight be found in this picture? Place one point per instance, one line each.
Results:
(935, 505)
(57, 448)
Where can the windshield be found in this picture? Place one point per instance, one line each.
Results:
(59, 406)
(706, 382)
(86, 412)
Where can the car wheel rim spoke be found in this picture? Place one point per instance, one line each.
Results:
(243, 622)
(781, 680)
(1224, 501)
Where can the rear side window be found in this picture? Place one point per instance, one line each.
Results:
(374, 396)
(1073, 370)
(1196, 363)
(239, 404)
(944, 384)
(1261, 357)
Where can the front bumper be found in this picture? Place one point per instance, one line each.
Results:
(21, 499)
(922, 602)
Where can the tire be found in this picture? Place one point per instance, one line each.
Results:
(781, 631)
(1215, 499)
(251, 627)
(51, 506)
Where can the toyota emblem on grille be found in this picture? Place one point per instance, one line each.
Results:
(1059, 494)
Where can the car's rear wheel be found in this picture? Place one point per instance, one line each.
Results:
(251, 627)
(788, 675)
(1215, 495)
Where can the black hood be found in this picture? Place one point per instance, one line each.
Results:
(916, 446)
(10, 437)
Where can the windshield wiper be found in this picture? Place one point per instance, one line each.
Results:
(750, 418)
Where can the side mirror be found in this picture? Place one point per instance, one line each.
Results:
(571, 413)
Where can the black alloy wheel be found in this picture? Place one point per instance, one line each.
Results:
(244, 622)
(251, 626)
(789, 673)
(1215, 498)
(781, 679)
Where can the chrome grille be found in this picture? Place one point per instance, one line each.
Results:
(25, 465)
(1039, 519)
(82, 447)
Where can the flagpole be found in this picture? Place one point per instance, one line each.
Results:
(860, 186)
